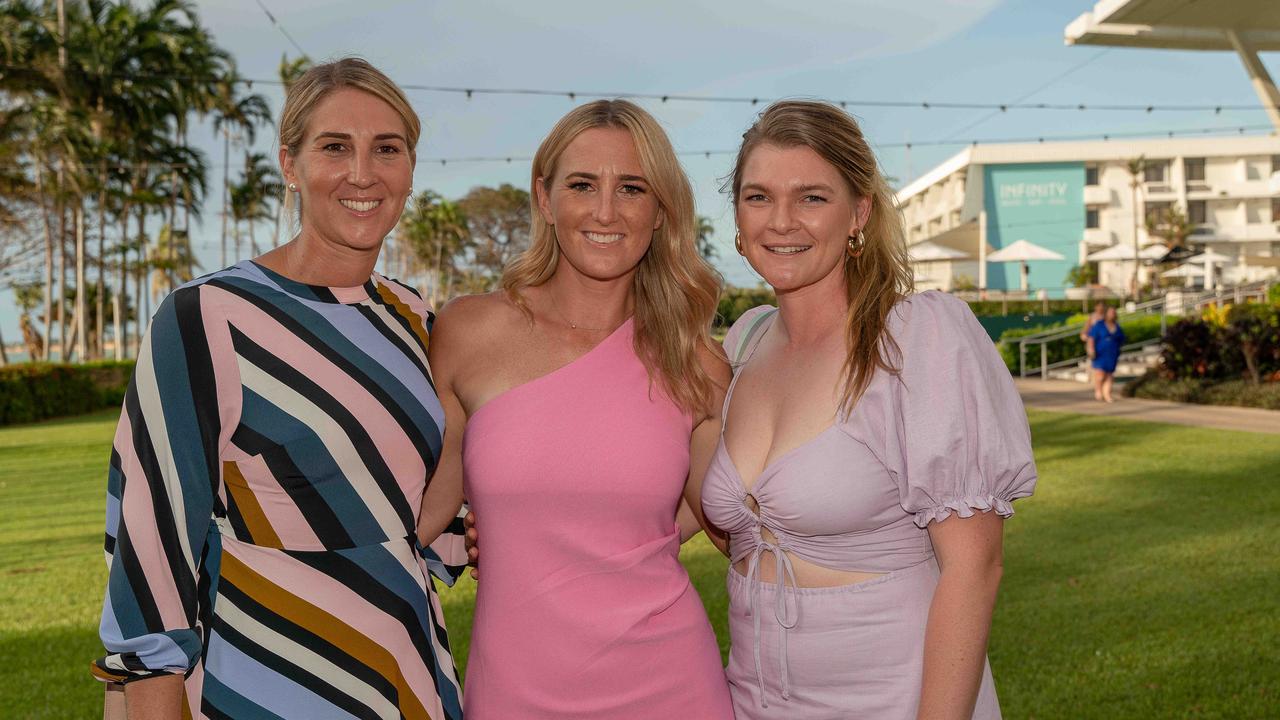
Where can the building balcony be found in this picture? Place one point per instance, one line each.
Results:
(1258, 232)
(1097, 195)
(1261, 188)
(1099, 237)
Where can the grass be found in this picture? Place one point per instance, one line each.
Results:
(1140, 580)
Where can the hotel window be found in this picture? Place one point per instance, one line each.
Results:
(1275, 209)
(1090, 175)
(1195, 170)
(1275, 164)
(1154, 172)
(1155, 211)
(1091, 218)
(1197, 212)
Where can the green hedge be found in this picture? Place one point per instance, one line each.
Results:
(1135, 330)
(1239, 393)
(35, 391)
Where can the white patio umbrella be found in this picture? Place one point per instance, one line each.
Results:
(1186, 272)
(1210, 260)
(928, 252)
(1023, 251)
(1125, 252)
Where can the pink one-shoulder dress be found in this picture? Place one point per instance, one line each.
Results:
(583, 609)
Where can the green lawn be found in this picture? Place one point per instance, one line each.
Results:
(1142, 580)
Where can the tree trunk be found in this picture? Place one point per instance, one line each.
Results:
(101, 287)
(1133, 280)
(4, 354)
(122, 336)
(61, 295)
(226, 190)
(48, 256)
(116, 328)
(81, 309)
(143, 306)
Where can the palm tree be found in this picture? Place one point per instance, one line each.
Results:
(259, 184)
(243, 114)
(291, 70)
(1137, 168)
(703, 242)
(435, 230)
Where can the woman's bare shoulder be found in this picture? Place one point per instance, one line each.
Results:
(471, 322)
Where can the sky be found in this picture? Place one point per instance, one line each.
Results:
(859, 51)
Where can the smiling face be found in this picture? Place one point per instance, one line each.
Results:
(353, 170)
(795, 216)
(601, 205)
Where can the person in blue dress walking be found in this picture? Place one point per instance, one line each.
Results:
(1105, 340)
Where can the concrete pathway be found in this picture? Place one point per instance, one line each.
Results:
(1067, 396)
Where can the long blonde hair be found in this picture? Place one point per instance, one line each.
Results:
(881, 275)
(675, 289)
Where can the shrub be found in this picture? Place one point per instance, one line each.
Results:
(36, 391)
(1195, 348)
(1153, 386)
(1273, 294)
(734, 301)
(1254, 329)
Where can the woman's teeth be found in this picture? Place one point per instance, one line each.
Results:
(603, 238)
(786, 249)
(360, 205)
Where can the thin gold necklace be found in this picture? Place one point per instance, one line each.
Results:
(555, 305)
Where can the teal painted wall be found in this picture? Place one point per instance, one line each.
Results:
(1042, 203)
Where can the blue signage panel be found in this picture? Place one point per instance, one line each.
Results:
(1042, 203)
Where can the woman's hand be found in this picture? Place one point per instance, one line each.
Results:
(473, 544)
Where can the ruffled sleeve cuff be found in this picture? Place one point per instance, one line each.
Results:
(964, 507)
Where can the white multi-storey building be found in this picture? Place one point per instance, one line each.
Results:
(1079, 198)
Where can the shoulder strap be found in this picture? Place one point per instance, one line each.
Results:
(750, 334)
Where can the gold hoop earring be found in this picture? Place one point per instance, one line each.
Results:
(857, 243)
(737, 241)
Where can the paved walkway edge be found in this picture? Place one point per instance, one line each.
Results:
(1066, 396)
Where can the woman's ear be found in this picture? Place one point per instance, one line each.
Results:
(544, 200)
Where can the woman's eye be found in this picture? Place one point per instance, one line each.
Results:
(580, 186)
(814, 199)
(632, 190)
(333, 147)
(754, 197)
(388, 149)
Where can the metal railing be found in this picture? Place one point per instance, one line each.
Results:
(1187, 303)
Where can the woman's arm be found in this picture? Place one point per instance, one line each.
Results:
(970, 555)
(157, 698)
(444, 495)
(702, 446)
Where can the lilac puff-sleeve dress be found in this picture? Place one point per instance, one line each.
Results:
(945, 436)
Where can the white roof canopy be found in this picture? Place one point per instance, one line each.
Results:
(1245, 27)
(1178, 24)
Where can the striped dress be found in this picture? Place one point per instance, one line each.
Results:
(265, 483)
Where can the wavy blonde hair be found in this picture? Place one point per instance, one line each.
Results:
(675, 289)
(881, 276)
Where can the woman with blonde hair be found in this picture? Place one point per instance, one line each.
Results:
(590, 390)
(872, 443)
(269, 471)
